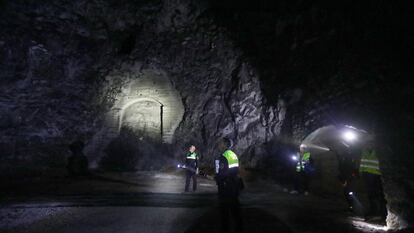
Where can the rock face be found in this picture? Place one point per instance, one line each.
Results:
(163, 69)
(151, 77)
(336, 63)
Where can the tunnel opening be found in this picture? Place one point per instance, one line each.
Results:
(146, 108)
(135, 150)
(139, 145)
(145, 117)
(342, 168)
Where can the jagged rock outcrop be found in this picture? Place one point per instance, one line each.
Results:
(70, 64)
(336, 63)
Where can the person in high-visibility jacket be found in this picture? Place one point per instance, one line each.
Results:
(191, 163)
(229, 185)
(370, 172)
(304, 168)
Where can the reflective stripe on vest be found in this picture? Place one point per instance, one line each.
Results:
(369, 163)
(192, 155)
(232, 159)
(217, 163)
(300, 165)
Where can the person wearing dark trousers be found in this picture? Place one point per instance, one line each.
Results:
(229, 185)
(304, 171)
(371, 175)
(377, 203)
(191, 164)
(347, 174)
(299, 183)
(348, 191)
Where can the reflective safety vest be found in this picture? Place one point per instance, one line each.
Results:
(369, 162)
(232, 159)
(300, 165)
(192, 155)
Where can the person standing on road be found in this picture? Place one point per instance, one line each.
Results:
(229, 185)
(370, 172)
(347, 173)
(304, 170)
(191, 164)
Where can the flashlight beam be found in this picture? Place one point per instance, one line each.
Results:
(313, 146)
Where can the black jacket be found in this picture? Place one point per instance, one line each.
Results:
(227, 179)
(191, 163)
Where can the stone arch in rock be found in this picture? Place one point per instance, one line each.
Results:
(149, 103)
(144, 116)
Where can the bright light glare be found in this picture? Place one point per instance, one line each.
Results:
(364, 226)
(313, 146)
(351, 193)
(349, 136)
(178, 165)
(294, 158)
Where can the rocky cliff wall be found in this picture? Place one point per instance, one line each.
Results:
(70, 70)
(336, 63)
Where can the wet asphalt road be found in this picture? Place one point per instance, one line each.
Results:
(138, 212)
(167, 200)
(147, 208)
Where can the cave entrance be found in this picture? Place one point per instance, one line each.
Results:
(336, 151)
(147, 104)
(144, 117)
